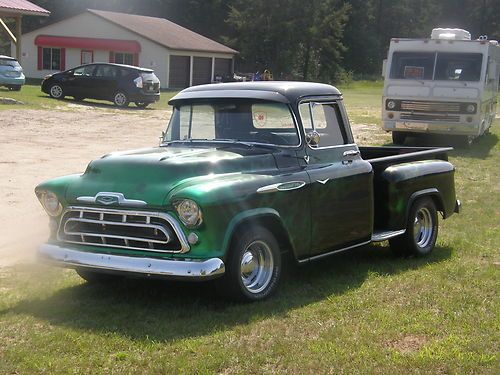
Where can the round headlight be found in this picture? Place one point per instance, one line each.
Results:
(391, 104)
(50, 203)
(189, 212)
(471, 108)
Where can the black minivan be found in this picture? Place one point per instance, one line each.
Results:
(118, 83)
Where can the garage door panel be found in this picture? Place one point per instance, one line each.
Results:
(179, 71)
(202, 70)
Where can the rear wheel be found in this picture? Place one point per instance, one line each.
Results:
(398, 138)
(56, 91)
(421, 230)
(121, 99)
(253, 266)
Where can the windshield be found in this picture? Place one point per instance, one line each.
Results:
(9, 62)
(440, 66)
(235, 120)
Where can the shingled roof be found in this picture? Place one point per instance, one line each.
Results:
(164, 32)
(21, 7)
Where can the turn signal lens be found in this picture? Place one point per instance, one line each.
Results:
(471, 108)
(50, 202)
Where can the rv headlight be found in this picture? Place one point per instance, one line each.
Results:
(471, 108)
(50, 202)
(189, 212)
(391, 104)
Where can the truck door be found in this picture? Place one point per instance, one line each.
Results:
(341, 181)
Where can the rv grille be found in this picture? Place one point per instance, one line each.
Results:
(421, 106)
(149, 231)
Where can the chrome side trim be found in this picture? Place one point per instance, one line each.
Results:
(282, 186)
(316, 257)
(182, 269)
(174, 223)
(385, 235)
(111, 198)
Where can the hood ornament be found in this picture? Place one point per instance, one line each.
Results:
(111, 199)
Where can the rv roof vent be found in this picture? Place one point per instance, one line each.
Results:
(450, 34)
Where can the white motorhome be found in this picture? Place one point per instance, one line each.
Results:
(447, 84)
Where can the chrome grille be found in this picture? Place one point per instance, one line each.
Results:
(429, 117)
(149, 231)
(421, 106)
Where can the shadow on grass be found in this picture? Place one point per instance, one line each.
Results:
(479, 149)
(96, 104)
(162, 311)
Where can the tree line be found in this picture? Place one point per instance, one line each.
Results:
(320, 40)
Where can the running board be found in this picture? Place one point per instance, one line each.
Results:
(381, 235)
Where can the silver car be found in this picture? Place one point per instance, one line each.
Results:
(11, 73)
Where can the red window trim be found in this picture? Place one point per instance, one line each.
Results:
(81, 55)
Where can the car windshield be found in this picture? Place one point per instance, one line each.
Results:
(440, 66)
(235, 120)
(9, 62)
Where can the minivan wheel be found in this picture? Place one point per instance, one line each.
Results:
(56, 91)
(253, 266)
(120, 99)
(141, 104)
(421, 230)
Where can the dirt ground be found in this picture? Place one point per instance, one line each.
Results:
(37, 145)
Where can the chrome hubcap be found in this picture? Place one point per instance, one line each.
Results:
(256, 267)
(56, 91)
(120, 99)
(422, 227)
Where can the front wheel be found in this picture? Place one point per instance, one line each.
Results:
(253, 267)
(56, 91)
(398, 138)
(421, 230)
(121, 99)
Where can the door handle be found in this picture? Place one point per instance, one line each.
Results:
(350, 153)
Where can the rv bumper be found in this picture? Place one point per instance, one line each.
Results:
(166, 268)
(433, 127)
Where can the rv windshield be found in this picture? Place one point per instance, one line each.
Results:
(443, 67)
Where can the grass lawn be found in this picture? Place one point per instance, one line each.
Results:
(363, 311)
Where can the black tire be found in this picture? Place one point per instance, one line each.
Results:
(398, 138)
(121, 99)
(94, 277)
(56, 91)
(421, 230)
(142, 104)
(257, 249)
(15, 88)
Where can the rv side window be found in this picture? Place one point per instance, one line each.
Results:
(458, 66)
(412, 65)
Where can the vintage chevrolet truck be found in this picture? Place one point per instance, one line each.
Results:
(245, 174)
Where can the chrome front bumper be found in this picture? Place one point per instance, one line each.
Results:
(166, 268)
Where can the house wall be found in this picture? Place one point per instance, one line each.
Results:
(88, 25)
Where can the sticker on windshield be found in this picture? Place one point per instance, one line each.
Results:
(414, 72)
(260, 119)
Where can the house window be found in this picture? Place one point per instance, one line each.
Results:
(87, 57)
(124, 58)
(51, 59)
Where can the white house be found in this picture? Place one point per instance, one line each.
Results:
(180, 57)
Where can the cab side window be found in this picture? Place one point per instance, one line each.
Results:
(325, 118)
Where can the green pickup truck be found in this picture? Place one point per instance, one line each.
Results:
(245, 173)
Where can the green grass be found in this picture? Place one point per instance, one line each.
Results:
(364, 311)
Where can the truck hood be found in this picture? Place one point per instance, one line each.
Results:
(150, 174)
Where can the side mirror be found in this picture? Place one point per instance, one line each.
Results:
(384, 67)
(492, 71)
(313, 138)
